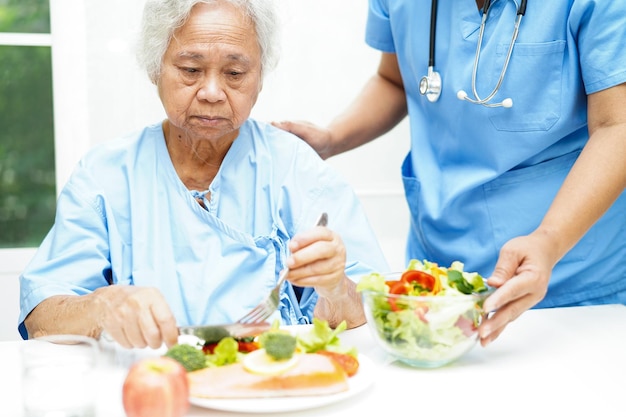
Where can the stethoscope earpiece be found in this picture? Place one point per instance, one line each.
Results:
(507, 103)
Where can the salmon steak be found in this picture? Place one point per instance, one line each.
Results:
(312, 374)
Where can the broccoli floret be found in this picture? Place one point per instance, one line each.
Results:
(277, 344)
(189, 356)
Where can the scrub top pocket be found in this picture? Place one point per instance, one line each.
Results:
(534, 81)
(516, 204)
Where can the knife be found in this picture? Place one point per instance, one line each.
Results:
(215, 333)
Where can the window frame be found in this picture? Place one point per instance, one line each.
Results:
(68, 42)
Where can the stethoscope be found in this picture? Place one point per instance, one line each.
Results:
(430, 84)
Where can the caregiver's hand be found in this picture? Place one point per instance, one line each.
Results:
(318, 137)
(521, 276)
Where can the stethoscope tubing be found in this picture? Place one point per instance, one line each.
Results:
(518, 21)
(430, 85)
(433, 33)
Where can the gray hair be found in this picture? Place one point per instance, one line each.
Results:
(161, 18)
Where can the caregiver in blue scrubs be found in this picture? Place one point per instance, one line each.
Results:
(190, 220)
(517, 164)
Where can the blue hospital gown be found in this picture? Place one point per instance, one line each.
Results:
(125, 218)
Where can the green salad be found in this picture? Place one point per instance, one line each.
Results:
(437, 323)
(279, 344)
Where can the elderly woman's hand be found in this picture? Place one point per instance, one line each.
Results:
(136, 316)
(521, 274)
(318, 259)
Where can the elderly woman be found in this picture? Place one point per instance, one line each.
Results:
(189, 221)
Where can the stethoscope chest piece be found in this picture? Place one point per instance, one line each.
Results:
(430, 85)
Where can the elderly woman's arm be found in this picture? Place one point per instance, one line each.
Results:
(64, 314)
(133, 316)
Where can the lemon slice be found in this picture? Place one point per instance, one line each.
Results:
(259, 362)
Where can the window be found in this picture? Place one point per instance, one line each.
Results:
(52, 38)
(27, 162)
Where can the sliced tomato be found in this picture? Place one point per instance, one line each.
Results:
(348, 363)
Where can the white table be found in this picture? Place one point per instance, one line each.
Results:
(552, 362)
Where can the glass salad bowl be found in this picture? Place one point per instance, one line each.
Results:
(426, 316)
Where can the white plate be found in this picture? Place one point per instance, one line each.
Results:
(358, 383)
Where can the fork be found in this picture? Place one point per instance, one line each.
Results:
(266, 308)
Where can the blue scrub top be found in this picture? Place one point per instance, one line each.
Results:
(476, 177)
(126, 218)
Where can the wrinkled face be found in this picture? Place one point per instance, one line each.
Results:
(211, 73)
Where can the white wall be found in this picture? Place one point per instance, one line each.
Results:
(324, 63)
(100, 94)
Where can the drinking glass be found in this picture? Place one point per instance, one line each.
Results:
(58, 376)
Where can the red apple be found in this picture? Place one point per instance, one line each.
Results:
(156, 387)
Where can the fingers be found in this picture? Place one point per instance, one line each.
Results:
(298, 128)
(516, 295)
(155, 326)
(506, 267)
(519, 270)
(318, 258)
(491, 328)
(168, 330)
(140, 317)
(304, 240)
(319, 138)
